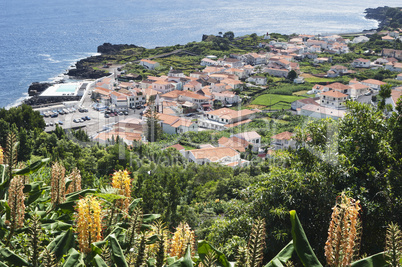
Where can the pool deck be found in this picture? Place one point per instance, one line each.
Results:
(55, 90)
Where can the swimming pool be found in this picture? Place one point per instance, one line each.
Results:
(67, 88)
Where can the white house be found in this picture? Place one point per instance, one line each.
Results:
(361, 63)
(119, 101)
(208, 62)
(226, 97)
(163, 86)
(149, 64)
(372, 83)
(252, 137)
(176, 125)
(394, 66)
(393, 100)
(261, 80)
(223, 118)
(277, 72)
(337, 70)
(333, 99)
(320, 112)
(283, 141)
(358, 89)
(221, 155)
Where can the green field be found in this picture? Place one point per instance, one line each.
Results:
(319, 80)
(274, 101)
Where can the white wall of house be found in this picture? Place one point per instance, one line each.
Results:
(283, 144)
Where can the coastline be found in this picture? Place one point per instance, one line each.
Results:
(370, 14)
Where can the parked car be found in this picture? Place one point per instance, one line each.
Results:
(121, 113)
(60, 122)
(54, 115)
(107, 115)
(126, 113)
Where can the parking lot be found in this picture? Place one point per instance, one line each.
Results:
(96, 123)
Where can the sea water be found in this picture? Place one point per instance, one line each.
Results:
(40, 39)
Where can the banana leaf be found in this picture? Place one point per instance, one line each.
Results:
(97, 246)
(5, 208)
(133, 205)
(204, 247)
(74, 259)
(13, 259)
(376, 260)
(34, 167)
(116, 252)
(3, 264)
(99, 262)
(282, 257)
(186, 261)
(61, 244)
(79, 194)
(147, 218)
(301, 244)
(34, 191)
(109, 197)
(69, 204)
(152, 239)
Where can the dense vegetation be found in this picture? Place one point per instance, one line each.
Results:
(360, 154)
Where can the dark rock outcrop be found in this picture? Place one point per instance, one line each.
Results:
(36, 88)
(378, 14)
(83, 70)
(113, 49)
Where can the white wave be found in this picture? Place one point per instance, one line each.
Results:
(18, 101)
(49, 58)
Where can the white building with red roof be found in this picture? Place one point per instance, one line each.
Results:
(396, 95)
(333, 99)
(372, 83)
(361, 63)
(223, 118)
(283, 140)
(149, 64)
(222, 155)
(251, 137)
(176, 125)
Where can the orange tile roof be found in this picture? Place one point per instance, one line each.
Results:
(338, 86)
(373, 81)
(234, 142)
(359, 86)
(283, 136)
(119, 96)
(395, 95)
(190, 94)
(238, 123)
(336, 94)
(230, 112)
(177, 146)
(213, 154)
(149, 61)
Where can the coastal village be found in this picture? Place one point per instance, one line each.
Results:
(214, 97)
(229, 151)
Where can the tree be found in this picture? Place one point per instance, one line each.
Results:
(292, 75)
(385, 92)
(229, 35)
(154, 130)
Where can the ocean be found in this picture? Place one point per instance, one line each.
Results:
(40, 40)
